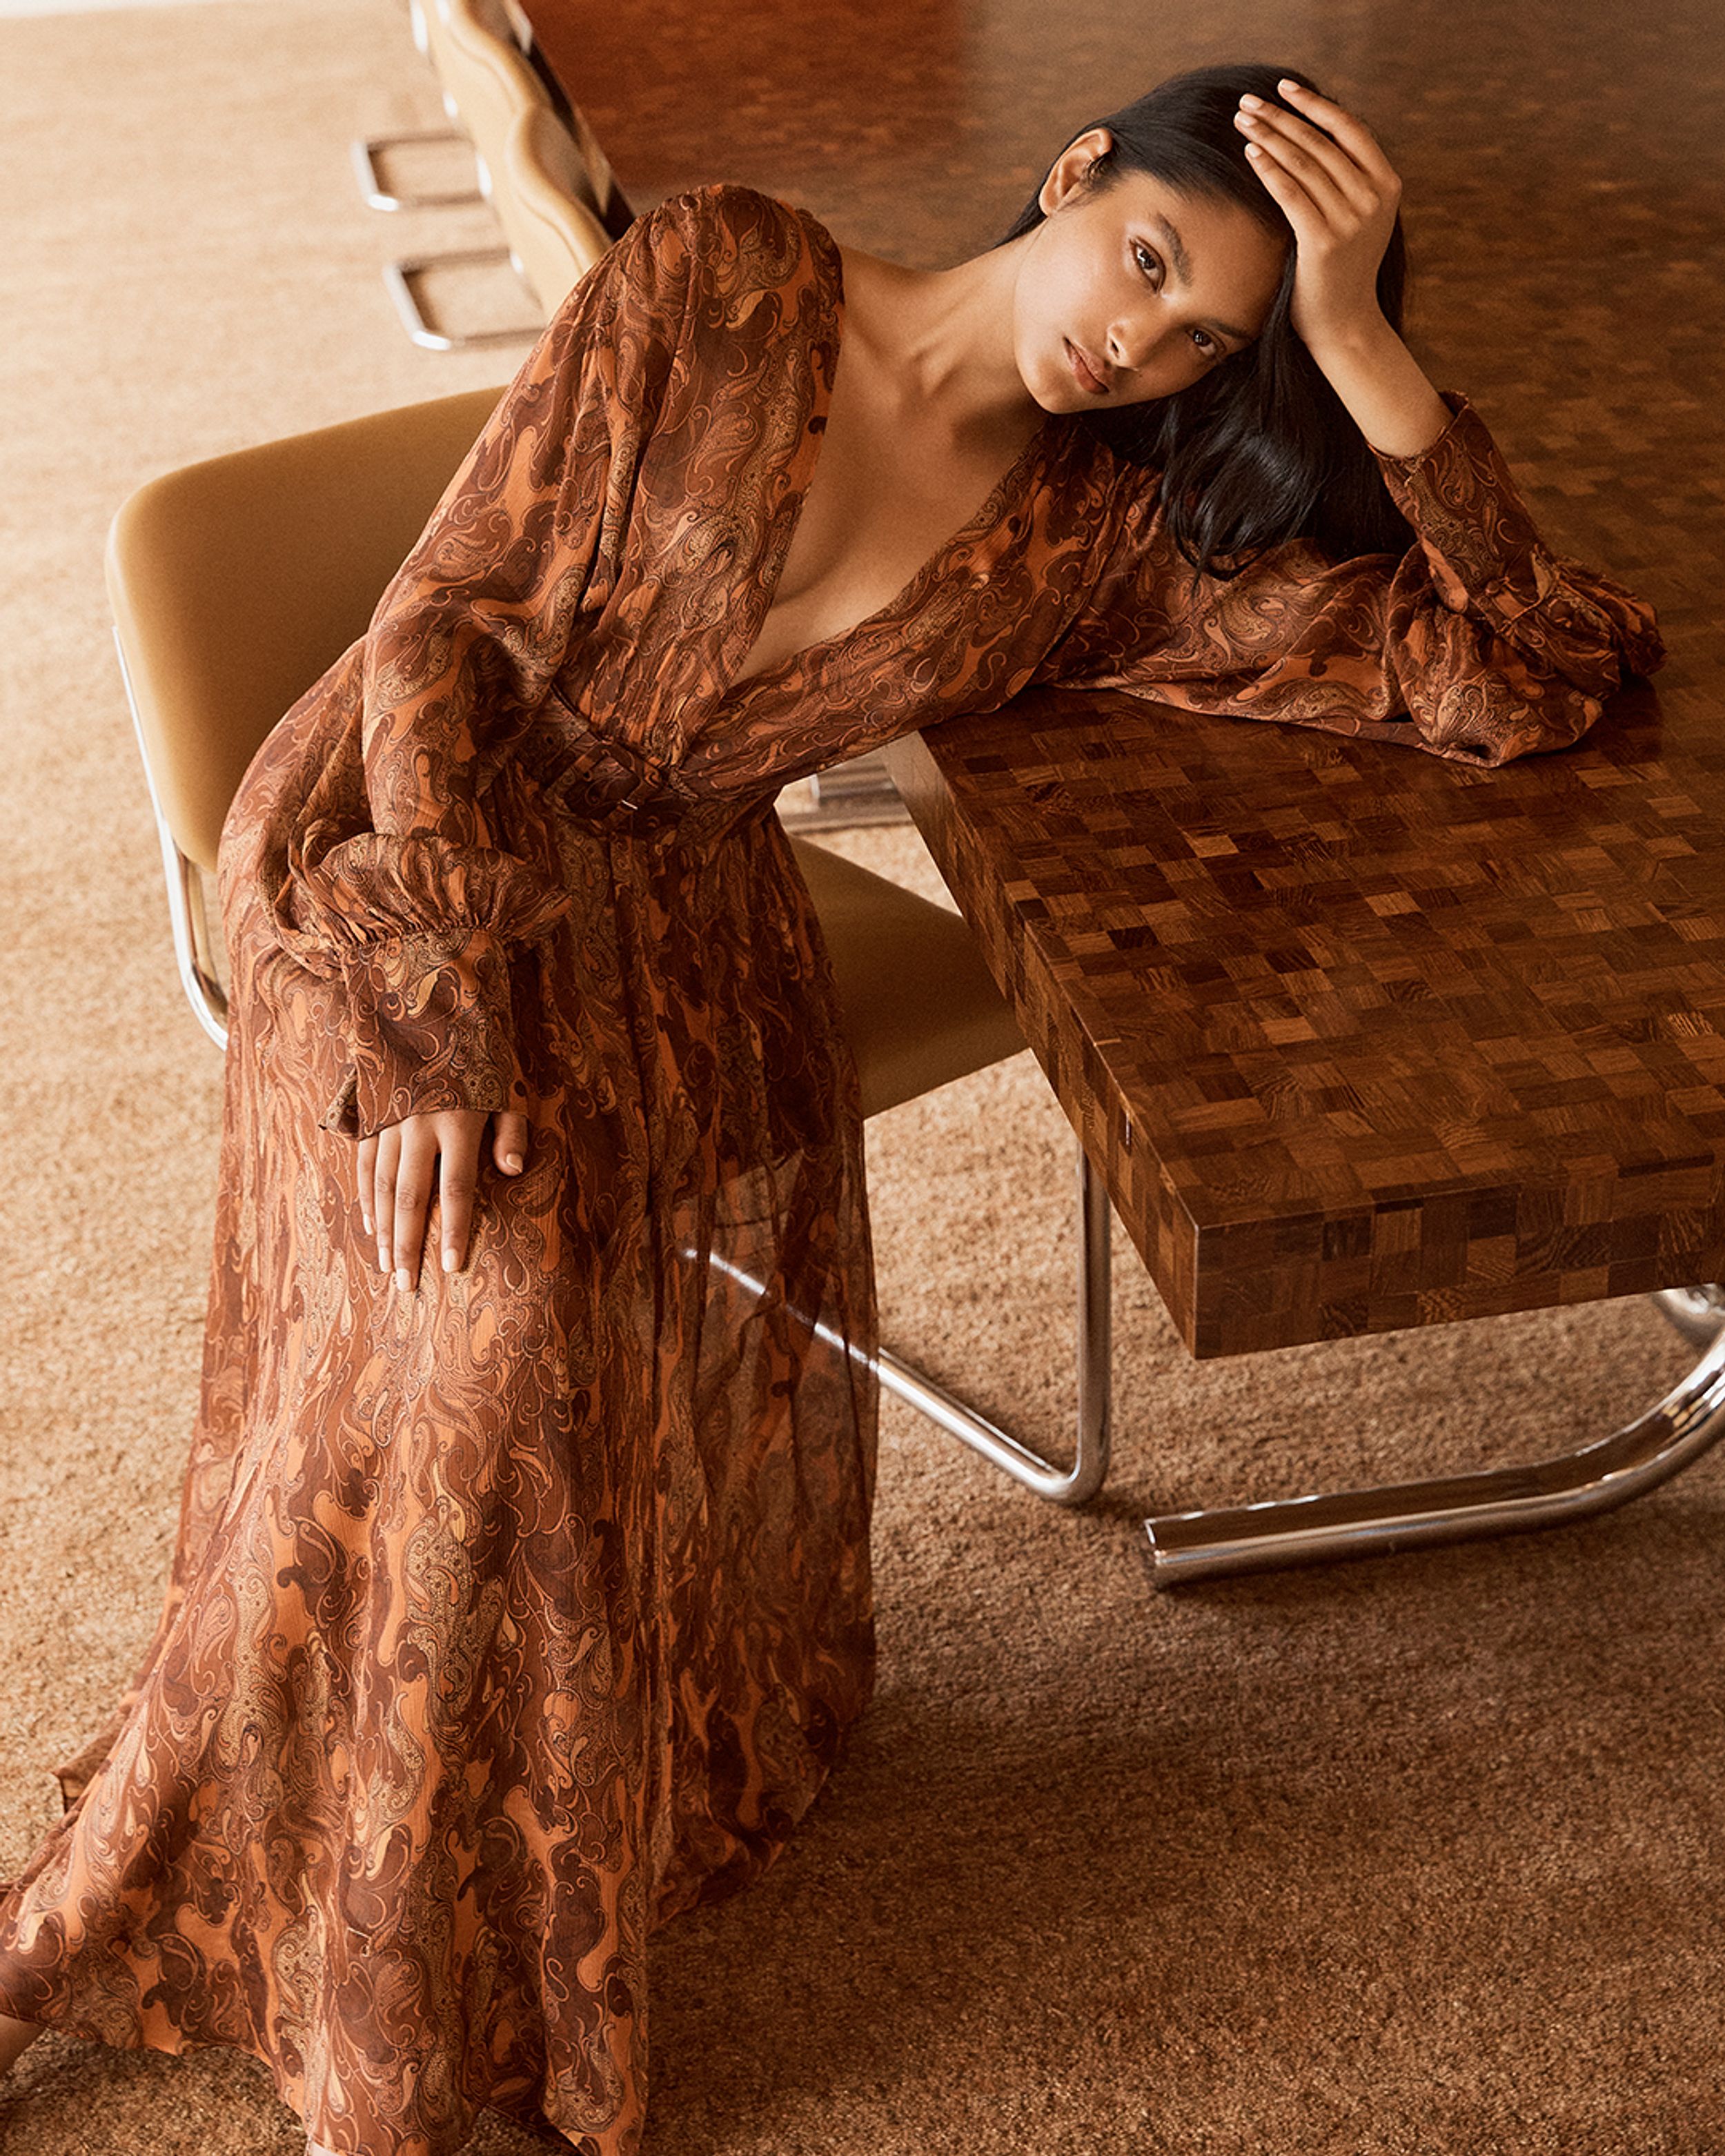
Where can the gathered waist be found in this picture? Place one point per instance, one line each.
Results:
(611, 786)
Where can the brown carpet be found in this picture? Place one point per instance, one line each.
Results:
(1413, 1855)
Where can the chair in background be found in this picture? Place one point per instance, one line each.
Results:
(235, 582)
(370, 152)
(549, 184)
(554, 236)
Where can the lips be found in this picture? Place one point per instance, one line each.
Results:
(1090, 378)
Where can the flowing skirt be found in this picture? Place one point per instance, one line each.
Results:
(510, 1615)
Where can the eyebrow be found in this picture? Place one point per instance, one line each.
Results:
(1182, 269)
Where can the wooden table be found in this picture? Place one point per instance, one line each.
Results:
(1358, 1039)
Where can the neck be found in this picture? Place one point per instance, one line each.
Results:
(945, 335)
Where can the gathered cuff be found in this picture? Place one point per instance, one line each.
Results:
(1485, 557)
(430, 1026)
(422, 932)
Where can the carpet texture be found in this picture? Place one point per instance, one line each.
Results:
(1409, 1856)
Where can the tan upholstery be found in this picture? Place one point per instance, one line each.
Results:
(920, 1006)
(538, 192)
(533, 170)
(236, 581)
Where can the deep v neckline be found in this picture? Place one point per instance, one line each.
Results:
(799, 476)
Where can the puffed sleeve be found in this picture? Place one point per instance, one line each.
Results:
(390, 874)
(1478, 644)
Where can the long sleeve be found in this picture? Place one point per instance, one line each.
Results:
(1479, 643)
(390, 872)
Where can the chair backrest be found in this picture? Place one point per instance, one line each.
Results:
(553, 234)
(486, 74)
(494, 83)
(236, 582)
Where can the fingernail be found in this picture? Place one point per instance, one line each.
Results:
(401, 1277)
(1288, 82)
(366, 1222)
(512, 1162)
(382, 1259)
(1251, 104)
(448, 1261)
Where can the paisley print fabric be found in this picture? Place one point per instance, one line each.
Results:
(1479, 644)
(511, 1615)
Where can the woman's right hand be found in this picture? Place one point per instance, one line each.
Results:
(398, 1168)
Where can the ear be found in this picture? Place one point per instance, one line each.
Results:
(1066, 177)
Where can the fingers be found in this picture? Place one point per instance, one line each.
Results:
(384, 1162)
(401, 1166)
(1344, 127)
(1338, 180)
(1333, 181)
(509, 1141)
(412, 1196)
(365, 1174)
(458, 1176)
(1295, 182)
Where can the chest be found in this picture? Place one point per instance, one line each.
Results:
(885, 497)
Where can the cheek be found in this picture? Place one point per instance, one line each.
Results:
(1037, 327)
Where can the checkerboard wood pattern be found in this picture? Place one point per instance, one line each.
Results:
(1359, 1039)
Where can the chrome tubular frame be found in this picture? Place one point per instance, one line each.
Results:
(1061, 1486)
(1323, 1528)
(193, 949)
(1500, 1500)
(1697, 1313)
(398, 279)
(1089, 1470)
(366, 150)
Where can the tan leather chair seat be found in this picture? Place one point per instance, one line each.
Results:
(920, 1006)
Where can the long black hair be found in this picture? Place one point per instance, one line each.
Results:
(1260, 449)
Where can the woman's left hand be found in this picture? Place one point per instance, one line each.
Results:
(1337, 188)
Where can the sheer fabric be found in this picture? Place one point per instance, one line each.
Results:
(509, 1616)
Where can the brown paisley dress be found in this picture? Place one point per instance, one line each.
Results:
(510, 1615)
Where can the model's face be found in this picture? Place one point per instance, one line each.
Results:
(1133, 290)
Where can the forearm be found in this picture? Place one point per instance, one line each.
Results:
(1386, 392)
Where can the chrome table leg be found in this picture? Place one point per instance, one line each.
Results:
(1398, 1516)
(1330, 1525)
(1698, 1312)
(1062, 1485)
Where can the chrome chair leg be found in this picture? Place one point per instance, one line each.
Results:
(1089, 1470)
(367, 152)
(194, 946)
(1398, 1516)
(399, 277)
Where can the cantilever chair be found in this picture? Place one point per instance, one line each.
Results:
(555, 237)
(369, 151)
(539, 167)
(235, 583)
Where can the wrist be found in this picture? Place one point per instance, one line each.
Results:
(1386, 391)
(1356, 341)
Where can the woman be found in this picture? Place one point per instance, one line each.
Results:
(521, 1595)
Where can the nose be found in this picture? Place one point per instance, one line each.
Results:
(1134, 342)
